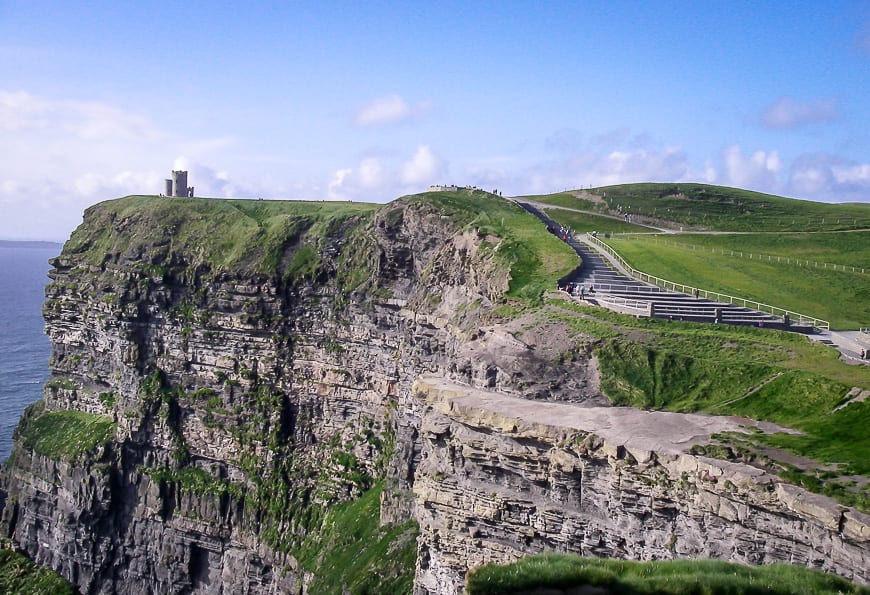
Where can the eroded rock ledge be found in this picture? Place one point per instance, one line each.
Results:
(501, 477)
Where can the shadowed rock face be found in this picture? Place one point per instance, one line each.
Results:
(246, 403)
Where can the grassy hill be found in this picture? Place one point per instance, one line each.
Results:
(245, 235)
(702, 206)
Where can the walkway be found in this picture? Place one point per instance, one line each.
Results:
(601, 281)
(848, 343)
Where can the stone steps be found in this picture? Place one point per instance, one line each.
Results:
(604, 285)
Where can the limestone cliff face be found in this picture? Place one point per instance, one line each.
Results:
(245, 400)
(502, 477)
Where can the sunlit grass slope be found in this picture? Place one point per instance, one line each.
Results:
(242, 235)
(762, 267)
(731, 370)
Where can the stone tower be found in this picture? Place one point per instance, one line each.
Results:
(177, 186)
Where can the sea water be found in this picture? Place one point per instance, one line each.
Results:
(24, 348)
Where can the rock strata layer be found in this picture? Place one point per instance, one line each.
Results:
(502, 477)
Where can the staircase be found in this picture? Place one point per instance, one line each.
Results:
(598, 281)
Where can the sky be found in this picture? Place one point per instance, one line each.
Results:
(368, 101)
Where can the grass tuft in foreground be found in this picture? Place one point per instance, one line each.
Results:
(563, 572)
(19, 574)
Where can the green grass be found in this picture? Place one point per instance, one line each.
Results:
(352, 553)
(674, 577)
(193, 236)
(572, 200)
(19, 574)
(63, 434)
(536, 259)
(240, 235)
(731, 209)
(586, 222)
(843, 298)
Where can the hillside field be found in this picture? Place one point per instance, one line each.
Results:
(790, 271)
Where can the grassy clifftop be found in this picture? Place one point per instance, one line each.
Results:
(245, 235)
(560, 573)
(536, 259)
(292, 237)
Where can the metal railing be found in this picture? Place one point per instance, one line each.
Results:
(625, 305)
(623, 287)
(794, 317)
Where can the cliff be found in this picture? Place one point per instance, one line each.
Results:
(226, 375)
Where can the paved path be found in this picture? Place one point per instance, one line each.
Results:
(543, 205)
(848, 343)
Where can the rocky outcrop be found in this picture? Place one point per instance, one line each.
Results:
(502, 477)
(247, 400)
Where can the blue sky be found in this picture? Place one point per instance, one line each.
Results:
(369, 101)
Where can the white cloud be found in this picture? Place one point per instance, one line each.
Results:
(337, 184)
(820, 176)
(386, 177)
(371, 173)
(758, 171)
(87, 120)
(62, 155)
(858, 173)
(425, 167)
(602, 168)
(366, 181)
(392, 109)
(788, 113)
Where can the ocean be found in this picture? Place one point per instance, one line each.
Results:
(24, 348)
